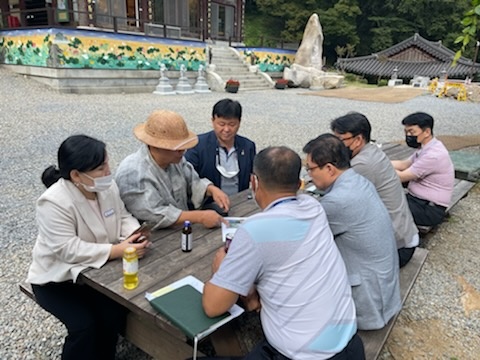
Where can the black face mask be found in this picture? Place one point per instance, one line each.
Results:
(412, 141)
(350, 153)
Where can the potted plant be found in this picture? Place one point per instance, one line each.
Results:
(232, 85)
(281, 84)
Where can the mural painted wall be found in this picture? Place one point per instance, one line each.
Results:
(268, 60)
(64, 48)
(84, 49)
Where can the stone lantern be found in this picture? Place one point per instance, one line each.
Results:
(394, 75)
(443, 75)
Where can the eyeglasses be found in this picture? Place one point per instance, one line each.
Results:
(347, 138)
(308, 169)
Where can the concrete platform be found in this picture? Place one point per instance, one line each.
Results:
(98, 81)
(467, 165)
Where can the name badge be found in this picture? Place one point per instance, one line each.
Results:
(109, 212)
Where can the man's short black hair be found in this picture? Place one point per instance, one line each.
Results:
(278, 167)
(354, 123)
(421, 119)
(228, 109)
(327, 148)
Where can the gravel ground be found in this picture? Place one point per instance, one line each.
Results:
(35, 119)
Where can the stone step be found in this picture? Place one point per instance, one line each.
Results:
(223, 53)
(254, 84)
(229, 66)
(244, 79)
(234, 69)
(253, 88)
(239, 75)
(227, 62)
(219, 50)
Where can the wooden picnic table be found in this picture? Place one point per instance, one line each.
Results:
(396, 151)
(165, 263)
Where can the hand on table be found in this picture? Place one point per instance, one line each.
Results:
(141, 247)
(211, 219)
(220, 198)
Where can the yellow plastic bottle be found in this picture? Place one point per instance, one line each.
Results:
(130, 268)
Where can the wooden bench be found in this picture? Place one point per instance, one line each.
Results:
(374, 340)
(397, 151)
(26, 288)
(460, 190)
(137, 332)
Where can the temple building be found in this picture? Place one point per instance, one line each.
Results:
(412, 57)
(197, 19)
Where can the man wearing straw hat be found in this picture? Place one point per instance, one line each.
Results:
(157, 184)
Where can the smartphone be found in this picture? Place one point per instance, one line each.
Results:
(144, 229)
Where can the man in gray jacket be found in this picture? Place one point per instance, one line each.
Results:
(158, 185)
(362, 229)
(369, 160)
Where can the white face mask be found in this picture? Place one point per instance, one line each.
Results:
(99, 184)
(224, 172)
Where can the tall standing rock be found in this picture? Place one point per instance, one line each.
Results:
(306, 71)
(310, 52)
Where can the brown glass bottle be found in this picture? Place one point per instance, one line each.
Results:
(187, 239)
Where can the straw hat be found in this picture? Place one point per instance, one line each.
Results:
(166, 129)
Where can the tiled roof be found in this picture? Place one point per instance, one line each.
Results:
(414, 56)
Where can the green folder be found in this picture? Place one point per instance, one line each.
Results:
(183, 307)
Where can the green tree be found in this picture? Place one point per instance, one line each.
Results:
(374, 25)
(337, 17)
(386, 31)
(371, 25)
(339, 24)
(434, 20)
(471, 29)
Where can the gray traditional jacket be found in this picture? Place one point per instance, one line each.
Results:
(158, 195)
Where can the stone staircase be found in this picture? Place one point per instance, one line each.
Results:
(229, 66)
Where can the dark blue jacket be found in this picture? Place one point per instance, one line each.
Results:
(202, 157)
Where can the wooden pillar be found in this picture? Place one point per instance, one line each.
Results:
(143, 13)
(204, 19)
(23, 15)
(238, 21)
(4, 8)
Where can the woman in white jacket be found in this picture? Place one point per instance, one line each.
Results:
(82, 222)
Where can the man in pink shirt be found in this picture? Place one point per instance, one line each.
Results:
(429, 171)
